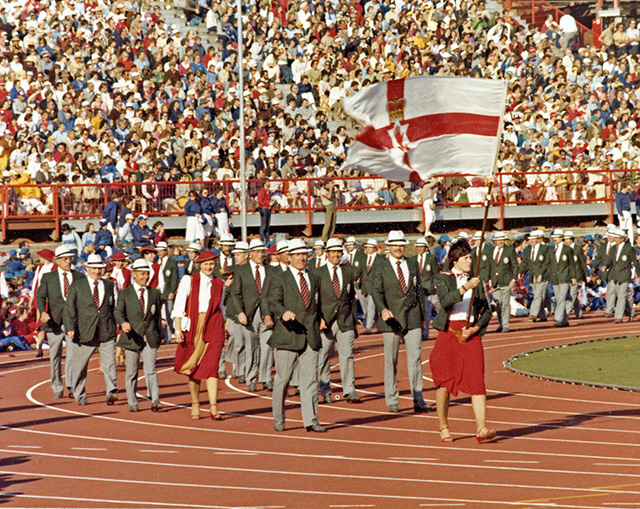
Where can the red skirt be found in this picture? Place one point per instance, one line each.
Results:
(458, 366)
(197, 358)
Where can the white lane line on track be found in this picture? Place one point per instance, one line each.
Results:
(88, 448)
(519, 462)
(26, 446)
(341, 494)
(117, 503)
(156, 451)
(412, 459)
(354, 505)
(617, 465)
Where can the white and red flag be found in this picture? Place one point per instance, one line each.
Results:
(415, 128)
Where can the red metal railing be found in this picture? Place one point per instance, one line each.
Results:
(59, 203)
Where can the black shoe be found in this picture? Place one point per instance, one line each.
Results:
(242, 380)
(420, 407)
(58, 395)
(252, 387)
(278, 426)
(267, 386)
(134, 408)
(394, 409)
(297, 393)
(352, 398)
(112, 399)
(222, 375)
(506, 330)
(316, 428)
(82, 402)
(39, 353)
(157, 407)
(70, 393)
(608, 315)
(499, 329)
(326, 397)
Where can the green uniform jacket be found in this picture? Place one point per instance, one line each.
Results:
(217, 271)
(243, 292)
(194, 268)
(485, 263)
(272, 272)
(539, 267)
(505, 269)
(448, 295)
(620, 269)
(148, 326)
(429, 272)
(344, 309)
(408, 309)
(284, 295)
(562, 270)
(360, 271)
(171, 279)
(599, 260)
(49, 298)
(80, 314)
(580, 262)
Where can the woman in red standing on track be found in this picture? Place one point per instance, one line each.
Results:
(457, 359)
(199, 329)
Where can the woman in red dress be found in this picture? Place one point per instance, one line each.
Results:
(199, 330)
(457, 359)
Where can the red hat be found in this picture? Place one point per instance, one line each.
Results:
(147, 248)
(272, 249)
(47, 254)
(119, 256)
(205, 256)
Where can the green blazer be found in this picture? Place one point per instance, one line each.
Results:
(194, 268)
(505, 269)
(485, 263)
(49, 298)
(407, 309)
(332, 309)
(284, 295)
(620, 269)
(217, 272)
(272, 272)
(91, 324)
(147, 327)
(243, 293)
(360, 271)
(599, 260)
(448, 295)
(430, 271)
(171, 279)
(540, 266)
(580, 262)
(562, 270)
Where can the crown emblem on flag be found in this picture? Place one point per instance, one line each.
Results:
(395, 107)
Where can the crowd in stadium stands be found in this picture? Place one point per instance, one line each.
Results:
(106, 92)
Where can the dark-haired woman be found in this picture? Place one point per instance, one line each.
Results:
(457, 359)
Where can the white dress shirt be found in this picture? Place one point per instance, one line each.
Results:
(460, 309)
(70, 279)
(296, 275)
(184, 288)
(330, 266)
(146, 296)
(403, 266)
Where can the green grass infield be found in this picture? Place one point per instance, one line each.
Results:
(608, 362)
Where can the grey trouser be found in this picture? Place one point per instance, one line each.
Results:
(622, 301)
(611, 297)
(81, 355)
(427, 317)
(573, 304)
(132, 362)
(538, 302)
(236, 343)
(502, 295)
(560, 291)
(254, 337)
(55, 358)
(307, 359)
(413, 343)
(344, 343)
(168, 305)
(369, 310)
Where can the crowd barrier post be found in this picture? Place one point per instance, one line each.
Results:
(612, 199)
(500, 201)
(533, 12)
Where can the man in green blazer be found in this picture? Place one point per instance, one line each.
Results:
(50, 299)
(235, 346)
(599, 266)
(536, 260)
(562, 275)
(618, 266)
(485, 261)
(294, 305)
(396, 289)
(363, 268)
(193, 250)
(139, 315)
(582, 274)
(428, 267)
(244, 296)
(338, 323)
(168, 279)
(504, 273)
(89, 322)
(225, 260)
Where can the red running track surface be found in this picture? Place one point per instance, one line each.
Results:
(558, 445)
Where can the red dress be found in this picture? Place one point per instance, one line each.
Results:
(458, 366)
(199, 354)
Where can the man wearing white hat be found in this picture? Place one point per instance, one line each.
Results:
(363, 267)
(168, 279)
(562, 275)
(396, 289)
(320, 258)
(89, 321)
(338, 311)
(138, 313)
(50, 299)
(582, 274)
(351, 250)
(619, 263)
(293, 304)
(428, 267)
(536, 260)
(193, 250)
(598, 265)
(485, 266)
(235, 346)
(244, 298)
(225, 260)
(504, 272)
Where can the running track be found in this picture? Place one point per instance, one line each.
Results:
(558, 445)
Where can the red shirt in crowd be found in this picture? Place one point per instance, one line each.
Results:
(264, 198)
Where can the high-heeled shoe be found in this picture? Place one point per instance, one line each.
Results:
(215, 416)
(485, 435)
(445, 436)
(195, 411)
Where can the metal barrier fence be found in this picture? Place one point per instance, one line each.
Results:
(59, 203)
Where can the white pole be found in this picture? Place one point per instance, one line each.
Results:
(243, 176)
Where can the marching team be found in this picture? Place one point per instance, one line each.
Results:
(235, 307)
